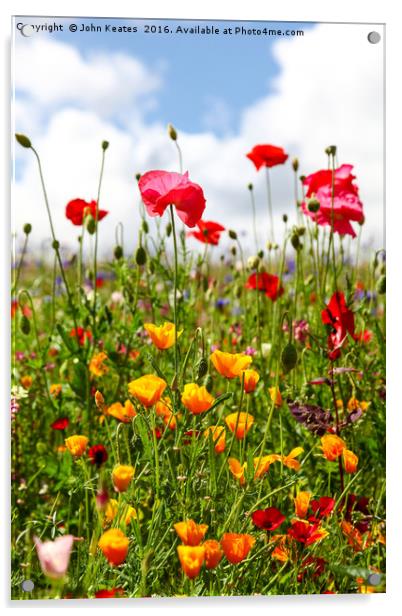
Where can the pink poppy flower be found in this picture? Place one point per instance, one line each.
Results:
(347, 205)
(162, 188)
(54, 556)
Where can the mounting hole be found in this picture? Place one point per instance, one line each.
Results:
(27, 585)
(374, 37)
(374, 579)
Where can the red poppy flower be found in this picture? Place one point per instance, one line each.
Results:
(111, 593)
(268, 519)
(61, 423)
(346, 203)
(209, 232)
(341, 319)
(162, 188)
(77, 209)
(313, 565)
(306, 532)
(82, 334)
(97, 455)
(267, 156)
(323, 506)
(268, 283)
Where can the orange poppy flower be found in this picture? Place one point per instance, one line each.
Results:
(332, 446)
(147, 389)
(355, 538)
(163, 409)
(191, 559)
(26, 381)
(196, 398)
(127, 512)
(76, 444)
(239, 423)
(236, 546)
(237, 470)
(262, 464)
(350, 461)
(281, 550)
(251, 378)
(55, 389)
(213, 553)
(218, 434)
(302, 502)
(114, 546)
(122, 476)
(96, 366)
(230, 365)
(190, 532)
(276, 396)
(122, 413)
(290, 461)
(163, 336)
(354, 404)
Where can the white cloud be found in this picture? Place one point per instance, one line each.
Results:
(329, 91)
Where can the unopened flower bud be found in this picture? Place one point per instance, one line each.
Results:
(295, 164)
(137, 176)
(300, 231)
(23, 140)
(118, 252)
(250, 186)
(172, 132)
(202, 368)
(168, 229)
(253, 262)
(260, 254)
(140, 256)
(145, 226)
(25, 325)
(27, 228)
(90, 224)
(56, 245)
(381, 285)
(208, 383)
(232, 234)
(105, 145)
(285, 218)
(294, 240)
(233, 250)
(330, 150)
(289, 357)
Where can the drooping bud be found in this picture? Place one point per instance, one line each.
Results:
(289, 357)
(23, 140)
(140, 256)
(295, 164)
(27, 228)
(25, 325)
(232, 234)
(381, 285)
(172, 132)
(118, 252)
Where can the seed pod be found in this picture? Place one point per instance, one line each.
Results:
(202, 368)
(27, 228)
(232, 234)
(118, 252)
(208, 383)
(381, 285)
(289, 357)
(23, 140)
(140, 256)
(145, 226)
(25, 325)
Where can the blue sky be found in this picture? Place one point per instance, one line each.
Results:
(199, 70)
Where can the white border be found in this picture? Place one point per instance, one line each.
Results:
(291, 10)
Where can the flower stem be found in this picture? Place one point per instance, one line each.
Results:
(96, 244)
(176, 358)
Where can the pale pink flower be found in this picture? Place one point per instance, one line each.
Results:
(54, 556)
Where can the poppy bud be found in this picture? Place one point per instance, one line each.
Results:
(285, 218)
(140, 256)
(27, 228)
(25, 325)
(294, 240)
(137, 176)
(361, 221)
(295, 164)
(172, 132)
(375, 262)
(302, 178)
(381, 285)
(105, 145)
(313, 205)
(300, 231)
(145, 226)
(23, 140)
(208, 383)
(289, 357)
(168, 229)
(232, 234)
(202, 368)
(90, 225)
(56, 245)
(118, 252)
(233, 250)
(260, 254)
(330, 150)
(250, 186)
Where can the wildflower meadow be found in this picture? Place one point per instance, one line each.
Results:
(200, 417)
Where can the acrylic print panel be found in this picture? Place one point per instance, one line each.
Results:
(198, 302)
